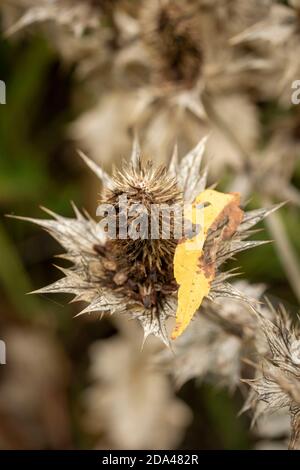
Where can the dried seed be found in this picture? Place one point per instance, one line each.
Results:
(120, 278)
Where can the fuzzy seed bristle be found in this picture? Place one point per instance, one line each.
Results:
(142, 266)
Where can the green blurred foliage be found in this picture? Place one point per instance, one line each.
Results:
(32, 128)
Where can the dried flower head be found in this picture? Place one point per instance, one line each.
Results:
(277, 384)
(140, 268)
(171, 34)
(136, 276)
(278, 33)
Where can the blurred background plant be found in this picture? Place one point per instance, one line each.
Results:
(85, 74)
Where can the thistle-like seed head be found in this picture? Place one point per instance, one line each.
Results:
(172, 37)
(136, 275)
(277, 384)
(141, 268)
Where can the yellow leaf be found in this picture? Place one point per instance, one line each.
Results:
(194, 269)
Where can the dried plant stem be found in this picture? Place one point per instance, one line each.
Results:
(291, 194)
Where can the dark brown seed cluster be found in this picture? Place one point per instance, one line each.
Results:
(174, 41)
(141, 268)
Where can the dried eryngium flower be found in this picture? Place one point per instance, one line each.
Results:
(277, 384)
(171, 35)
(135, 276)
(280, 29)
